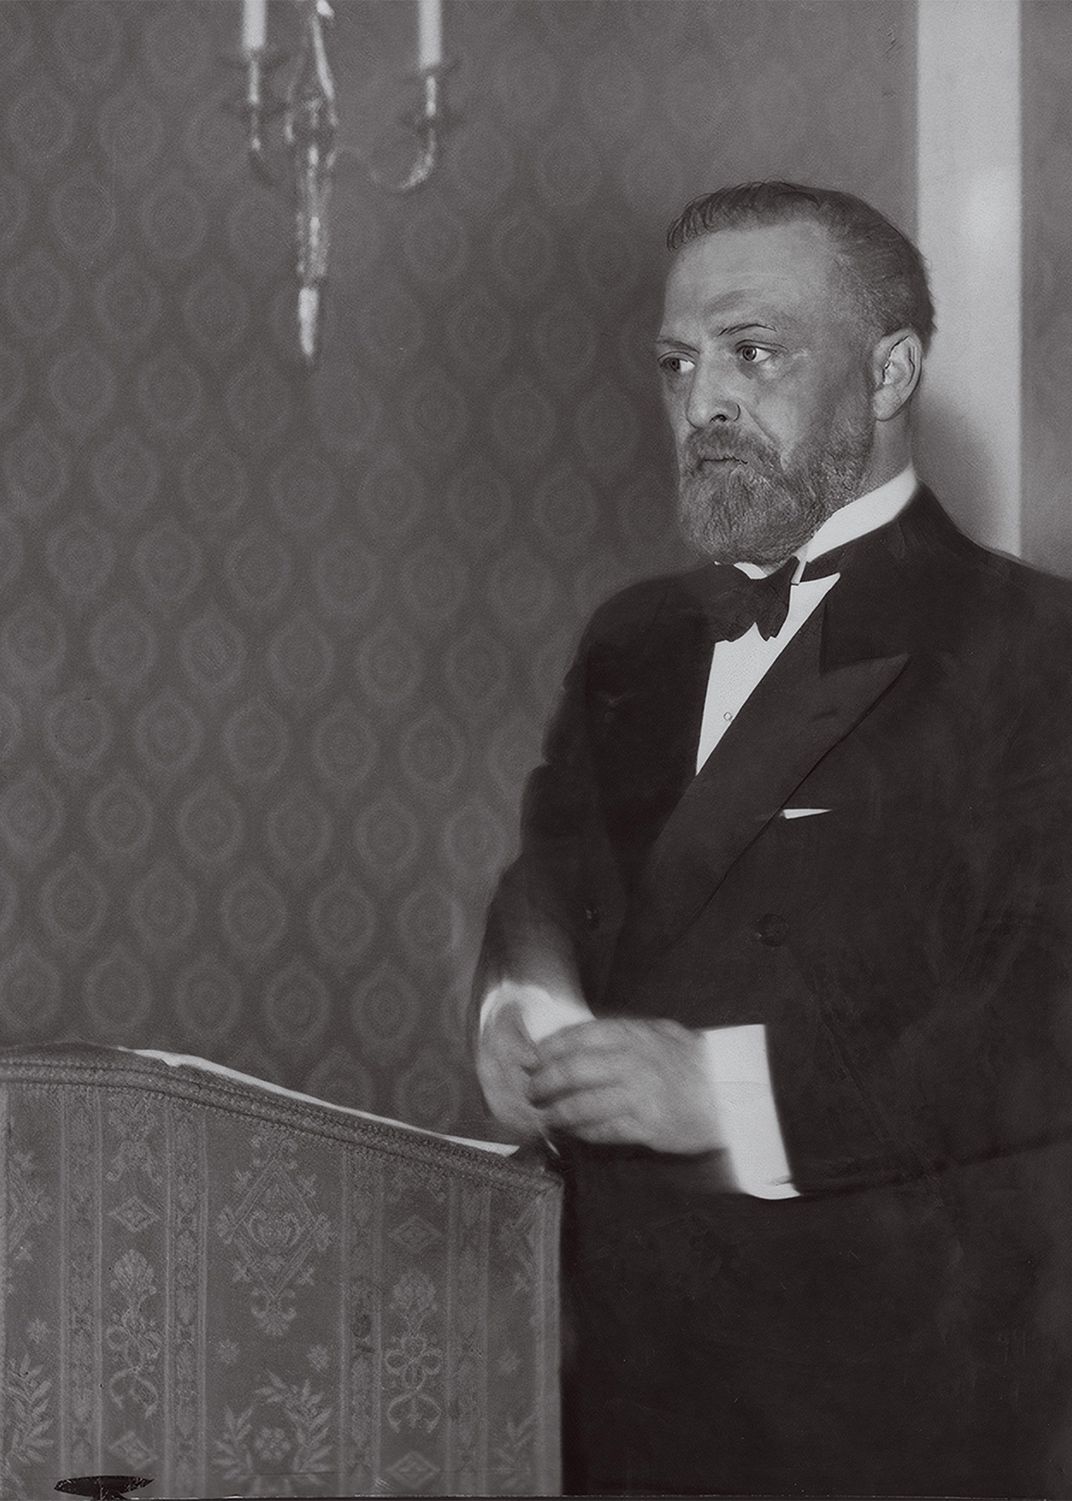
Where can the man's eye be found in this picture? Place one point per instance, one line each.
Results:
(754, 354)
(675, 364)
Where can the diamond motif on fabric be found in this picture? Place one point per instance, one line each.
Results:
(415, 1235)
(133, 1451)
(28, 1205)
(274, 1230)
(413, 1471)
(134, 1214)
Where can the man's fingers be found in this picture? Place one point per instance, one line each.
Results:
(583, 1071)
(588, 1037)
(603, 1109)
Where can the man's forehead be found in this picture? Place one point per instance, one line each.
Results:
(768, 268)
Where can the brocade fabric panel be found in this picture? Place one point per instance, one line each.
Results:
(239, 1294)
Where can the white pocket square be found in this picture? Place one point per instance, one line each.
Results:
(802, 812)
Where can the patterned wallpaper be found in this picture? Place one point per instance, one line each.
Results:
(1047, 274)
(275, 650)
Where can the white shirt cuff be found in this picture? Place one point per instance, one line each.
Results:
(543, 1011)
(741, 1085)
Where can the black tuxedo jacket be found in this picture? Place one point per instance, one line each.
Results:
(904, 1326)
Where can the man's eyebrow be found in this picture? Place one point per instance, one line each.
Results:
(740, 328)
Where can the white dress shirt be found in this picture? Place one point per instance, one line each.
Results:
(741, 1089)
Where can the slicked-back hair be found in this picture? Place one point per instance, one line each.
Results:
(886, 271)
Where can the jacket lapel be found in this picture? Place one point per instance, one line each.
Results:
(795, 716)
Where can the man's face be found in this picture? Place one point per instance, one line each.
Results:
(765, 372)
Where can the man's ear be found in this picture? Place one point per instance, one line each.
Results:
(897, 364)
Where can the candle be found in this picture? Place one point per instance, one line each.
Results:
(254, 25)
(429, 33)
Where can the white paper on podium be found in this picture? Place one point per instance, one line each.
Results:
(206, 1065)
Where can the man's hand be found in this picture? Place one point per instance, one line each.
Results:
(504, 1060)
(627, 1082)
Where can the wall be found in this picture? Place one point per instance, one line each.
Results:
(1047, 254)
(275, 650)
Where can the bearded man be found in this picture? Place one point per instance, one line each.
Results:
(782, 969)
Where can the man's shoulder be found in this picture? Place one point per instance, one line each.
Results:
(1014, 592)
(638, 607)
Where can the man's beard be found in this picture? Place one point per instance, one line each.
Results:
(737, 503)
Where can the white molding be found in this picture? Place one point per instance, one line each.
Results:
(969, 230)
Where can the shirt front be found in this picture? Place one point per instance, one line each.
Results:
(738, 667)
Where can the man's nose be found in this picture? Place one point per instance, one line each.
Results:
(709, 401)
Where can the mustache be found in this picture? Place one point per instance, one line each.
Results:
(706, 448)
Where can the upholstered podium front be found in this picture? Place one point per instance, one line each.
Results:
(244, 1293)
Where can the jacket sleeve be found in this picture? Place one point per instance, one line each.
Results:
(551, 920)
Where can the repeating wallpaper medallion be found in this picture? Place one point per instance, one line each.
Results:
(276, 649)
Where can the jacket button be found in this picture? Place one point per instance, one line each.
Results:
(591, 916)
(771, 930)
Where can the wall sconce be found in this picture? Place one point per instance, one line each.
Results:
(310, 127)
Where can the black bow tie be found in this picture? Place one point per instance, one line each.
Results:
(735, 602)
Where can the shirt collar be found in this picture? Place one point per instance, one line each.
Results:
(865, 514)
